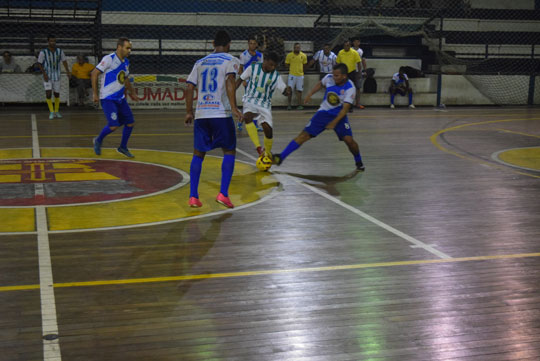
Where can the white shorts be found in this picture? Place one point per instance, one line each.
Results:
(265, 114)
(296, 82)
(53, 85)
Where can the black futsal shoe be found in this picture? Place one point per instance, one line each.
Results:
(360, 166)
(276, 159)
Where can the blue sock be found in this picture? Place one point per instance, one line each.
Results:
(392, 96)
(104, 132)
(195, 175)
(227, 169)
(125, 136)
(290, 148)
(410, 98)
(357, 158)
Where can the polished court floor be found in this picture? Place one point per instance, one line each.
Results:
(433, 253)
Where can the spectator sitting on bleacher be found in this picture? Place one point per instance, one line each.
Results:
(80, 72)
(8, 65)
(400, 85)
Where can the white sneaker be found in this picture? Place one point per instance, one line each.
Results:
(392, 106)
(412, 106)
(51, 115)
(58, 115)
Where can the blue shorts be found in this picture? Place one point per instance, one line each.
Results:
(319, 121)
(117, 112)
(211, 133)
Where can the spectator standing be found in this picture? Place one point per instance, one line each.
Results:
(295, 61)
(80, 72)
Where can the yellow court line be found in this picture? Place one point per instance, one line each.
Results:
(434, 141)
(268, 272)
(518, 133)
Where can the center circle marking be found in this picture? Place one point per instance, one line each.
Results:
(70, 181)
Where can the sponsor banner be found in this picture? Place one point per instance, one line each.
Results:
(160, 91)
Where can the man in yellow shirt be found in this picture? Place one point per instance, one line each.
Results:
(81, 77)
(351, 58)
(295, 62)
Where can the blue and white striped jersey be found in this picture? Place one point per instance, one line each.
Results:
(115, 74)
(261, 85)
(246, 59)
(326, 62)
(51, 60)
(336, 95)
(208, 75)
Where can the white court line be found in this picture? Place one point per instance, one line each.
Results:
(49, 323)
(364, 215)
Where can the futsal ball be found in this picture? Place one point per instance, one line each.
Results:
(264, 163)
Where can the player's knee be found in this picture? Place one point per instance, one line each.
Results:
(113, 128)
(130, 125)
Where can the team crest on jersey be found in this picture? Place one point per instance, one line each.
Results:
(342, 91)
(114, 116)
(332, 98)
(208, 97)
(121, 77)
(256, 79)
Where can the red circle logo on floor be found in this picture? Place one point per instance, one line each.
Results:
(32, 182)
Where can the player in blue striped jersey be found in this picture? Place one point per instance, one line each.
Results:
(338, 98)
(262, 80)
(114, 85)
(49, 60)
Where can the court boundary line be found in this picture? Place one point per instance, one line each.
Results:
(49, 321)
(364, 215)
(495, 157)
(433, 139)
(273, 272)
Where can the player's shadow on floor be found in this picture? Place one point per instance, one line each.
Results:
(326, 183)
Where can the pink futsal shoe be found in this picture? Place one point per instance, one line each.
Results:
(194, 202)
(224, 200)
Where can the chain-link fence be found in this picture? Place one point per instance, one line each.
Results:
(492, 44)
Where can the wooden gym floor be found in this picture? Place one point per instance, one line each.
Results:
(432, 254)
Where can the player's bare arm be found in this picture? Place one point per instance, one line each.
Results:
(189, 104)
(67, 69)
(45, 76)
(343, 112)
(93, 77)
(131, 91)
(230, 86)
(315, 89)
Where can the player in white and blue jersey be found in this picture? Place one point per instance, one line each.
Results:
(332, 114)
(400, 85)
(250, 56)
(326, 59)
(49, 60)
(214, 76)
(262, 80)
(114, 85)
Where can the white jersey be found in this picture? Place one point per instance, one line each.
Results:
(336, 95)
(246, 59)
(326, 62)
(115, 74)
(397, 80)
(261, 85)
(209, 75)
(361, 53)
(50, 60)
